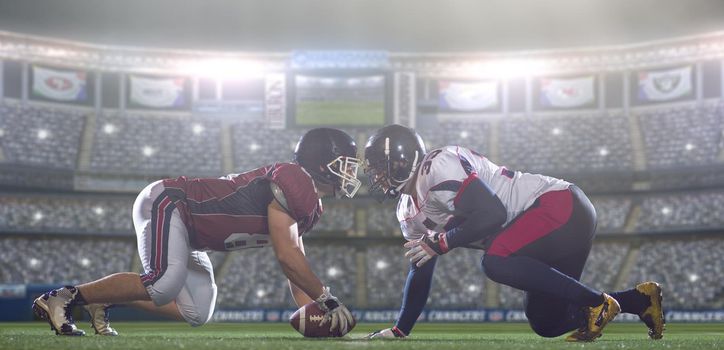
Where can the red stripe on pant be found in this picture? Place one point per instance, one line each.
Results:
(551, 211)
(160, 233)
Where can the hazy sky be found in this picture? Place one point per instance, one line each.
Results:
(395, 25)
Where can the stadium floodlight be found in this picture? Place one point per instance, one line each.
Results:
(197, 129)
(43, 134)
(224, 69)
(504, 69)
(148, 151)
(109, 128)
(332, 272)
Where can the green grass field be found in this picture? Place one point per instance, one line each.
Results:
(278, 336)
(340, 113)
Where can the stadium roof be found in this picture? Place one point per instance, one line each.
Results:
(394, 25)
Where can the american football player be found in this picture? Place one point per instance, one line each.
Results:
(177, 220)
(536, 231)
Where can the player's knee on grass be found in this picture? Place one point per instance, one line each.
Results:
(545, 330)
(196, 305)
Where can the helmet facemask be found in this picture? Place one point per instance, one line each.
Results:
(345, 168)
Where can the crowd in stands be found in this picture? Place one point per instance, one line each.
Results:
(338, 216)
(603, 265)
(171, 144)
(157, 145)
(386, 268)
(611, 213)
(468, 133)
(382, 220)
(561, 144)
(459, 281)
(66, 214)
(682, 211)
(677, 137)
(40, 136)
(254, 278)
(690, 271)
(256, 145)
(60, 260)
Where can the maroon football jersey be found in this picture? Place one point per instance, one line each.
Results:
(231, 212)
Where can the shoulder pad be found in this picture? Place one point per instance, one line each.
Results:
(294, 185)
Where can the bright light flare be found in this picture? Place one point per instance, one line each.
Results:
(224, 69)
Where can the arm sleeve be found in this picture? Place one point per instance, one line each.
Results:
(417, 289)
(483, 211)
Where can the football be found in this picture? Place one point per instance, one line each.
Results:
(306, 320)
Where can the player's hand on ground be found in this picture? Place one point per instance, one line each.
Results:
(429, 246)
(334, 312)
(387, 333)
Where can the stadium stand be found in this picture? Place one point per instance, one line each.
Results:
(690, 270)
(566, 143)
(611, 213)
(148, 144)
(253, 279)
(40, 136)
(463, 283)
(687, 135)
(603, 265)
(336, 265)
(338, 216)
(61, 261)
(473, 134)
(386, 274)
(256, 145)
(65, 214)
(676, 211)
(381, 219)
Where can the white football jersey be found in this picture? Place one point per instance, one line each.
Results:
(442, 174)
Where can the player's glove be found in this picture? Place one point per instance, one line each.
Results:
(334, 312)
(387, 333)
(426, 248)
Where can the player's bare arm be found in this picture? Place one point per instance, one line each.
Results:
(300, 298)
(284, 237)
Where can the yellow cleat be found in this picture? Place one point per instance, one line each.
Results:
(653, 316)
(598, 317)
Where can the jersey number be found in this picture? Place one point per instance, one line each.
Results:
(428, 163)
(237, 241)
